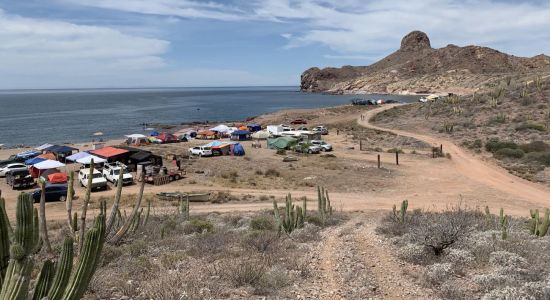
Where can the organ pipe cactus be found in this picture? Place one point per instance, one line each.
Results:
(59, 285)
(294, 216)
(401, 215)
(323, 203)
(538, 226)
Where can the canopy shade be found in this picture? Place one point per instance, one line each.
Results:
(240, 132)
(27, 154)
(221, 128)
(77, 156)
(43, 146)
(108, 152)
(135, 136)
(32, 161)
(88, 160)
(140, 156)
(59, 149)
(48, 164)
(261, 135)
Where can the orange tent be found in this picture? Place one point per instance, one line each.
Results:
(243, 128)
(48, 155)
(57, 178)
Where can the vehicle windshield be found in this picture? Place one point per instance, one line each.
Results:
(117, 172)
(97, 175)
(207, 148)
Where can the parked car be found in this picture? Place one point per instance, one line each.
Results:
(19, 179)
(298, 121)
(200, 151)
(11, 160)
(12, 167)
(324, 145)
(53, 192)
(98, 181)
(305, 147)
(322, 129)
(111, 172)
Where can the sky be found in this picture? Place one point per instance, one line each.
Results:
(192, 43)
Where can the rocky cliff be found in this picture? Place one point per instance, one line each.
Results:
(417, 68)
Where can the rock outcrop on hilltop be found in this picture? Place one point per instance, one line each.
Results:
(417, 68)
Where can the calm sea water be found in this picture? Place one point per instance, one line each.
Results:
(33, 117)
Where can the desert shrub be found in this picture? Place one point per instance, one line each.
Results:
(530, 290)
(415, 254)
(540, 157)
(110, 253)
(533, 126)
(536, 146)
(475, 144)
(272, 281)
(436, 274)
(197, 226)
(511, 153)
(314, 219)
(246, 271)
(262, 222)
(493, 145)
(394, 150)
(309, 232)
(137, 247)
(210, 244)
(259, 172)
(281, 152)
(261, 240)
(272, 173)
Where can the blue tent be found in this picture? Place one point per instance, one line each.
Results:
(238, 149)
(240, 135)
(154, 133)
(254, 127)
(32, 161)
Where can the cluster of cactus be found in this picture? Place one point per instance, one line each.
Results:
(401, 215)
(539, 226)
(184, 207)
(293, 218)
(323, 203)
(503, 223)
(55, 281)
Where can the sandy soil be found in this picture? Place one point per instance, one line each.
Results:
(427, 183)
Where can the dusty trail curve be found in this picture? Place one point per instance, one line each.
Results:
(472, 167)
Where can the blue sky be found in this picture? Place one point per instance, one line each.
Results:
(155, 43)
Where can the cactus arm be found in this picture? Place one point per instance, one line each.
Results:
(63, 270)
(43, 228)
(88, 260)
(544, 224)
(69, 201)
(124, 229)
(36, 232)
(147, 212)
(277, 216)
(44, 280)
(114, 209)
(4, 240)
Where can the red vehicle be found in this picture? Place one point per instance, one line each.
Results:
(298, 121)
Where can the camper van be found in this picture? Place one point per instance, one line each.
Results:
(275, 130)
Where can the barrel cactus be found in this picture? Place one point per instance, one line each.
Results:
(56, 281)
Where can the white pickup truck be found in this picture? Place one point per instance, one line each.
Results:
(111, 172)
(98, 181)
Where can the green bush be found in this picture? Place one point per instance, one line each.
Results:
(262, 222)
(532, 125)
(197, 226)
(493, 145)
(272, 173)
(508, 152)
(315, 220)
(537, 146)
(541, 157)
(394, 150)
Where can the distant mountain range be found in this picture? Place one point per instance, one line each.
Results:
(417, 68)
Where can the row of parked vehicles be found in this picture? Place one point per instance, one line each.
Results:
(109, 173)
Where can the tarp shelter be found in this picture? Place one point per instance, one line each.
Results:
(254, 127)
(137, 139)
(206, 134)
(154, 133)
(143, 157)
(222, 149)
(42, 147)
(88, 160)
(78, 156)
(240, 135)
(27, 154)
(261, 135)
(109, 153)
(48, 164)
(237, 149)
(32, 161)
(60, 151)
(57, 178)
(217, 143)
(284, 142)
(221, 129)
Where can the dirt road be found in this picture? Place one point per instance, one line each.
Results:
(474, 168)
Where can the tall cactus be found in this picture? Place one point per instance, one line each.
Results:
(294, 216)
(401, 215)
(61, 285)
(538, 226)
(323, 203)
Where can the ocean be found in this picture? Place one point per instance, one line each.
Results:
(34, 117)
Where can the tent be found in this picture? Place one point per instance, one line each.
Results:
(57, 178)
(222, 149)
(88, 160)
(49, 156)
(240, 135)
(108, 152)
(77, 155)
(284, 142)
(167, 138)
(154, 133)
(206, 134)
(42, 147)
(237, 149)
(48, 164)
(261, 135)
(32, 161)
(137, 139)
(254, 127)
(221, 129)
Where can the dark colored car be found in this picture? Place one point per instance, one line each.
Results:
(11, 160)
(298, 121)
(54, 192)
(19, 179)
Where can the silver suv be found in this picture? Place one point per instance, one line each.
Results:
(321, 129)
(304, 147)
(322, 144)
